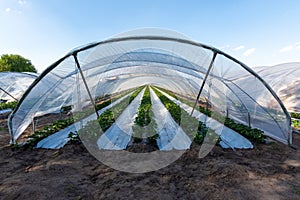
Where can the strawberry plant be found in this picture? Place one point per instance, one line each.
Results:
(295, 123)
(106, 119)
(6, 105)
(295, 115)
(73, 138)
(253, 134)
(143, 117)
(48, 130)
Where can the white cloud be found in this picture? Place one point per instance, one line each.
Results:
(249, 52)
(22, 2)
(287, 48)
(239, 48)
(225, 46)
(293, 47)
(7, 10)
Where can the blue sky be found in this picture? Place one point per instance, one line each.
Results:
(256, 32)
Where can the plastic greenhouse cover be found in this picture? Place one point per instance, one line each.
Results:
(14, 84)
(167, 60)
(285, 81)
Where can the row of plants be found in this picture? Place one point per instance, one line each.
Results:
(295, 123)
(295, 115)
(105, 120)
(6, 105)
(48, 130)
(296, 120)
(190, 125)
(172, 107)
(145, 127)
(252, 134)
(143, 117)
(63, 123)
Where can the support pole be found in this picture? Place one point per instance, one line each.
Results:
(33, 125)
(227, 112)
(204, 80)
(9, 94)
(249, 120)
(85, 84)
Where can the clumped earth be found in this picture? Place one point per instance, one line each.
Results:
(269, 171)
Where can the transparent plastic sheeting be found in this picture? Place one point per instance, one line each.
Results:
(14, 84)
(285, 81)
(169, 61)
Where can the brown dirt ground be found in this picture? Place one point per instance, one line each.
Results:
(269, 171)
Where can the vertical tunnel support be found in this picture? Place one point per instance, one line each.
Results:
(85, 83)
(204, 80)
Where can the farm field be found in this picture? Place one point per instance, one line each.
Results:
(267, 171)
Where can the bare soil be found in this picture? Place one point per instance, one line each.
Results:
(269, 171)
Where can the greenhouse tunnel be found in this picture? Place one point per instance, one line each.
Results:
(169, 61)
(14, 84)
(284, 80)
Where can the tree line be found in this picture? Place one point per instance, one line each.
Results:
(15, 63)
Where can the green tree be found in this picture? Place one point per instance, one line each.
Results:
(15, 63)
